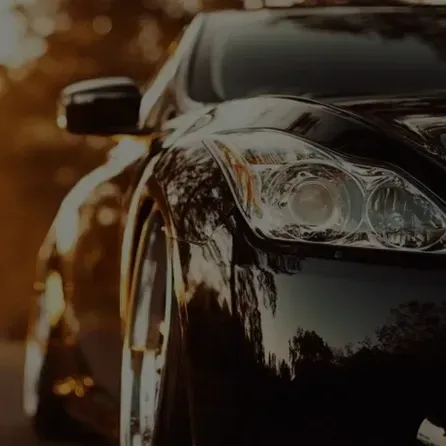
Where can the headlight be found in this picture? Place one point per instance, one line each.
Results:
(290, 190)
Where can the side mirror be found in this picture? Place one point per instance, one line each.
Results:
(104, 106)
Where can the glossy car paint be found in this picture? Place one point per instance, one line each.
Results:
(290, 342)
(283, 343)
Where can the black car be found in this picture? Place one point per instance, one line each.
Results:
(262, 259)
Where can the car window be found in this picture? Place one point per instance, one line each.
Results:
(331, 53)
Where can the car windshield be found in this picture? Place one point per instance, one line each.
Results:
(321, 52)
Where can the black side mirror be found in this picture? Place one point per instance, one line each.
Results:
(104, 106)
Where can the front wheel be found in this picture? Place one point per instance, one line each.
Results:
(154, 410)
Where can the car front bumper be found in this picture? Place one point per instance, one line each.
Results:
(291, 349)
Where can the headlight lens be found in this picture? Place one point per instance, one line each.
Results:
(404, 218)
(313, 200)
(299, 192)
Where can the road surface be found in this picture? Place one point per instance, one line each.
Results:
(14, 430)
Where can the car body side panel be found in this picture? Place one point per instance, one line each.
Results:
(86, 243)
(96, 212)
(84, 246)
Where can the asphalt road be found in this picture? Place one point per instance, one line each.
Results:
(14, 429)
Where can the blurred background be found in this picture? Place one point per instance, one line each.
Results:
(45, 45)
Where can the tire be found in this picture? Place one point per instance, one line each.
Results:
(154, 409)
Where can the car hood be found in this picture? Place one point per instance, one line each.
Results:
(423, 119)
(420, 119)
(403, 133)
